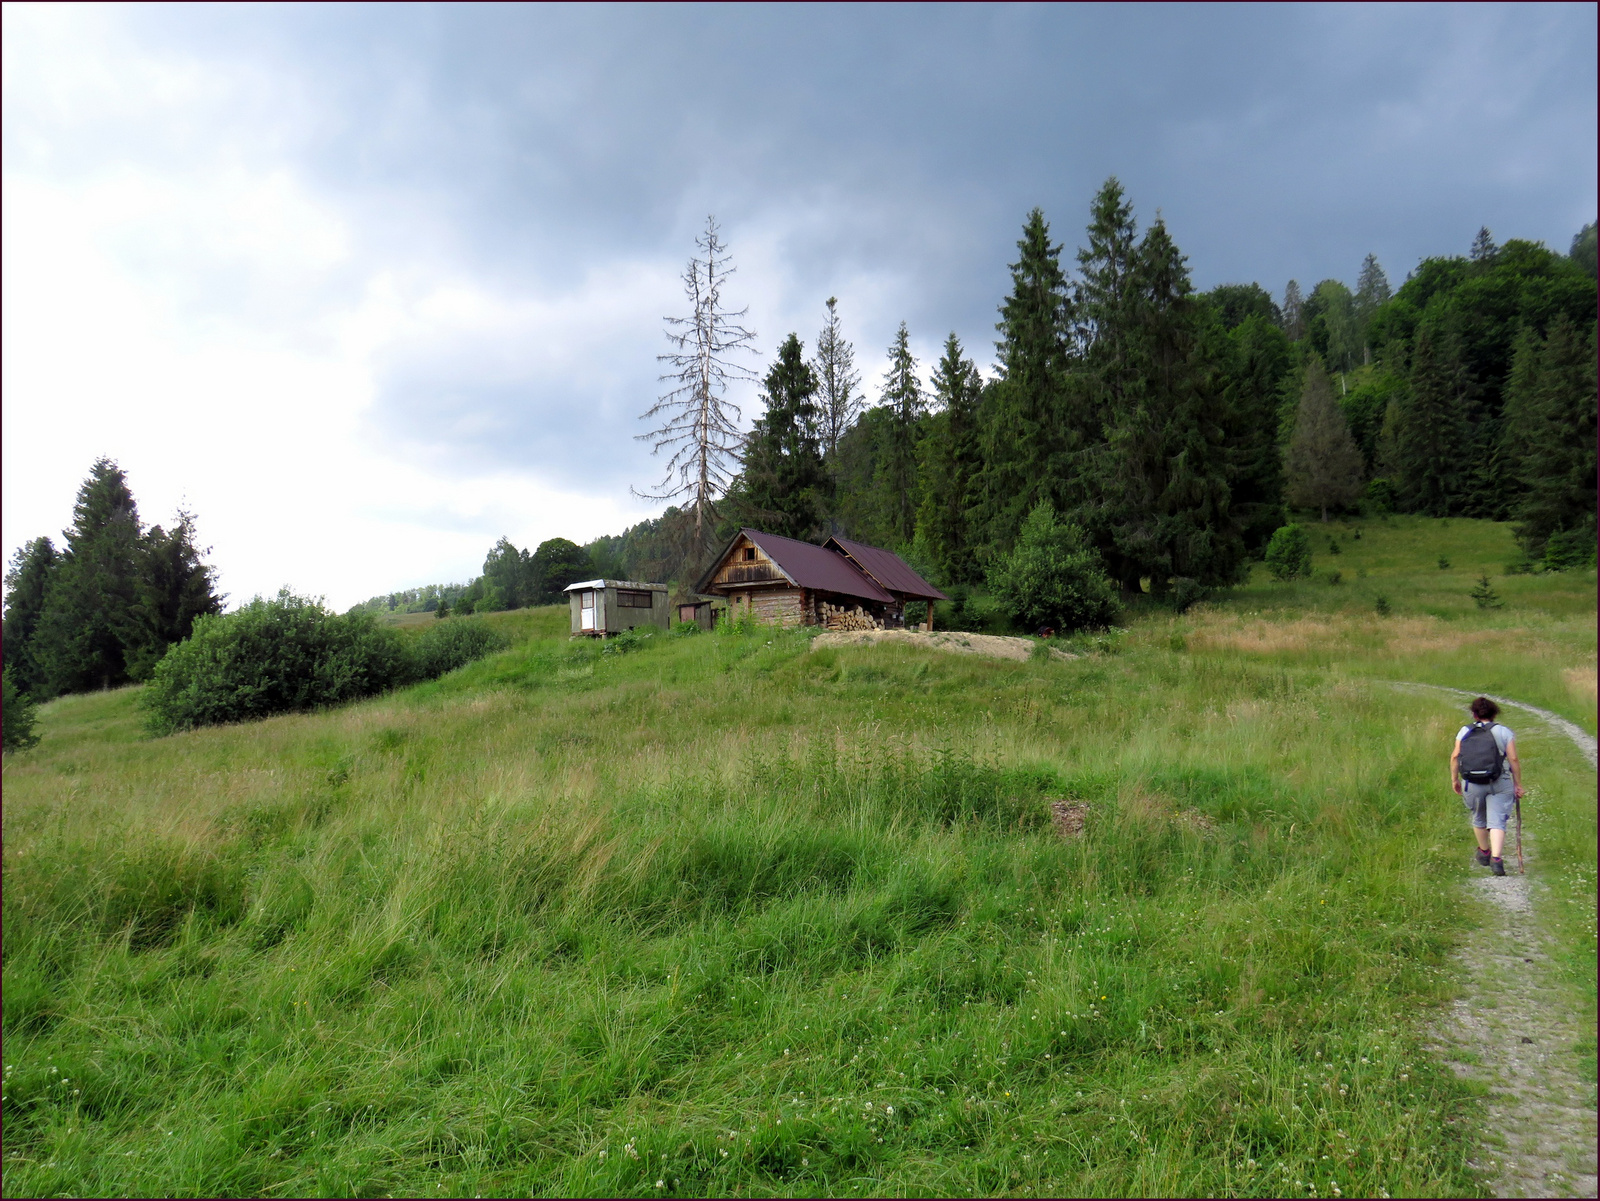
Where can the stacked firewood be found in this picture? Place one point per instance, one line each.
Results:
(836, 617)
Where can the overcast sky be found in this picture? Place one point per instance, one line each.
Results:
(368, 287)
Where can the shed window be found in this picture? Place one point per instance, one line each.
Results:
(749, 554)
(633, 600)
(588, 601)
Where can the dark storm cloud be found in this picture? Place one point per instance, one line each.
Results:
(895, 147)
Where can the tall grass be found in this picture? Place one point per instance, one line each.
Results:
(731, 915)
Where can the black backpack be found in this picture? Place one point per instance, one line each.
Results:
(1481, 759)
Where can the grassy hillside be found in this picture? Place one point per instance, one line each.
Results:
(721, 914)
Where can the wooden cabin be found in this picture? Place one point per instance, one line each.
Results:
(601, 607)
(840, 584)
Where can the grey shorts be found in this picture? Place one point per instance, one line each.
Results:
(1488, 810)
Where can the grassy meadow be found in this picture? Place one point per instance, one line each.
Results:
(721, 914)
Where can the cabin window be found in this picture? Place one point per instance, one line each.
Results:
(588, 601)
(633, 600)
(749, 554)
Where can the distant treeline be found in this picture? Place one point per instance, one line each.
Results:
(1176, 430)
(102, 609)
(511, 579)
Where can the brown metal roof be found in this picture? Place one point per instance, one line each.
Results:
(810, 566)
(890, 571)
(807, 566)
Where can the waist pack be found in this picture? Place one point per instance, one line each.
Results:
(1481, 759)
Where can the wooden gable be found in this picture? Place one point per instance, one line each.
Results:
(745, 564)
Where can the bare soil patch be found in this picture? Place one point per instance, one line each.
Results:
(991, 646)
(1069, 817)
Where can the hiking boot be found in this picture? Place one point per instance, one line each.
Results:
(1497, 866)
(1483, 857)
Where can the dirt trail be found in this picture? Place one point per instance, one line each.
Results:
(1515, 1031)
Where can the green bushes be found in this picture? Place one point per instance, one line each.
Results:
(452, 644)
(1289, 553)
(272, 656)
(1571, 550)
(290, 653)
(17, 718)
(1053, 578)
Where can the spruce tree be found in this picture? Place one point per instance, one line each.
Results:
(18, 712)
(1293, 312)
(27, 580)
(1483, 247)
(1161, 478)
(95, 631)
(1520, 408)
(838, 401)
(1558, 467)
(897, 465)
(1107, 299)
(1372, 291)
(1262, 358)
(1430, 438)
(1372, 287)
(950, 463)
(1027, 433)
(1324, 463)
(858, 509)
(1487, 489)
(1582, 250)
(784, 483)
(179, 585)
(1389, 456)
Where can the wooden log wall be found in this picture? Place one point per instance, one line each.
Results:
(777, 606)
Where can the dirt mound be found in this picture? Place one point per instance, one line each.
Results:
(1068, 817)
(990, 645)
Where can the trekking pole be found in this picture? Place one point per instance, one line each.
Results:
(1520, 870)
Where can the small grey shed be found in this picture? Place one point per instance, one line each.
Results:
(602, 607)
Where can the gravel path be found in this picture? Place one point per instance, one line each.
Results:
(1514, 1029)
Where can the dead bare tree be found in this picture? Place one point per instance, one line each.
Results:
(699, 425)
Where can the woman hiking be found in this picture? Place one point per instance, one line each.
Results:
(1478, 762)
